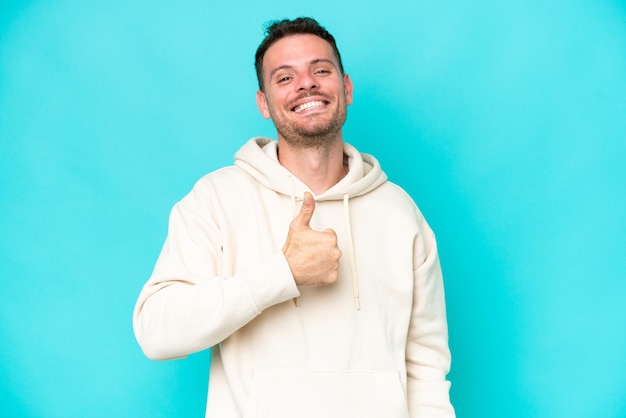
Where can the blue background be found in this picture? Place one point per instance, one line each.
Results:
(506, 121)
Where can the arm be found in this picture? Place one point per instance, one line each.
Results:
(188, 304)
(427, 352)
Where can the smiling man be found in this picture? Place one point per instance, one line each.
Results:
(314, 281)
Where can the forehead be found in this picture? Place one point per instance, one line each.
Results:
(296, 50)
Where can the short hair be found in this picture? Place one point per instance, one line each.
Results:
(278, 29)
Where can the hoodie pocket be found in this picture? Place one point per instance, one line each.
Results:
(304, 394)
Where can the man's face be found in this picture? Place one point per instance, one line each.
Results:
(305, 94)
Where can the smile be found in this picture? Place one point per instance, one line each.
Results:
(308, 105)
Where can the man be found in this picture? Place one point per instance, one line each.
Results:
(315, 282)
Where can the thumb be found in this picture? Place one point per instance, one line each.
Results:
(306, 211)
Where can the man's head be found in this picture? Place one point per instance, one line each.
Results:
(279, 29)
(303, 87)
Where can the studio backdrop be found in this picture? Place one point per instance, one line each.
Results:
(505, 121)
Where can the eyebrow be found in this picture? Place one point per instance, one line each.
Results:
(312, 62)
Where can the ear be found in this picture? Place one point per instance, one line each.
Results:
(347, 88)
(261, 103)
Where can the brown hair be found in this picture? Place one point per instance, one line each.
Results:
(278, 29)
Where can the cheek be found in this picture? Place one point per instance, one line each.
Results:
(279, 105)
(276, 105)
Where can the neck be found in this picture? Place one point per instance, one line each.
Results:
(320, 168)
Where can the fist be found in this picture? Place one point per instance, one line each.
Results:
(313, 256)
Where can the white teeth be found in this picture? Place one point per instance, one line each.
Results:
(308, 105)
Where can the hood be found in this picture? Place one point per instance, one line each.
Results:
(259, 158)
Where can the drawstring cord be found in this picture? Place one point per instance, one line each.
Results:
(296, 300)
(355, 279)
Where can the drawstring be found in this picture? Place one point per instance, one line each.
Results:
(296, 301)
(293, 197)
(355, 279)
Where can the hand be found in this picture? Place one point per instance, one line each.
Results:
(313, 256)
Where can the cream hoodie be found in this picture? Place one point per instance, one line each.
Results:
(374, 344)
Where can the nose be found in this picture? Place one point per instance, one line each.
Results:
(306, 82)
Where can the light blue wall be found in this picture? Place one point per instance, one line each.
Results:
(506, 121)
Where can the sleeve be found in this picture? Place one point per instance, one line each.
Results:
(427, 351)
(187, 305)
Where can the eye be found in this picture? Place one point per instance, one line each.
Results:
(283, 79)
(322, 71)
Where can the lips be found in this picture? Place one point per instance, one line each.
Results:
(309, 101)
(309, 105)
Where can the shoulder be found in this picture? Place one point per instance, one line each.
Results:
(394, 195)
(222, 179)
(217, 186)
(393, 205)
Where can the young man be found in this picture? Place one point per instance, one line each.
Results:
(315, 282)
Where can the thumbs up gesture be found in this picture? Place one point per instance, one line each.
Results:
(313, 256)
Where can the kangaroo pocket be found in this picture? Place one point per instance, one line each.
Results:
(304, 394)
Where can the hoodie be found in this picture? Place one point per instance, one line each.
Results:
(374, 344)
